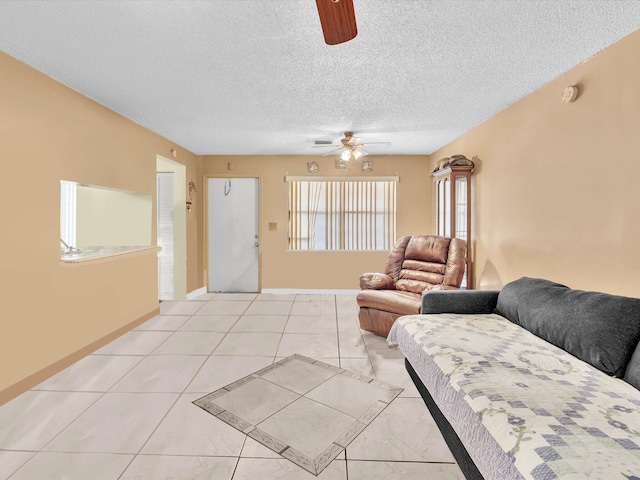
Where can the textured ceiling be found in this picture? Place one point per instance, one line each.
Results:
(255, 77)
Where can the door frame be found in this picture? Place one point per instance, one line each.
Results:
(205, 230)
(179, 170)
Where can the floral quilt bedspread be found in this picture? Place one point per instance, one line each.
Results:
(522, 407)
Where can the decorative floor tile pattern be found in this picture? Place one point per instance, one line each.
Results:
(306, 410)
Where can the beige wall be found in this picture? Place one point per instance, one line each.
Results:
(108, 217)
(557, 184)
(48, 133)
(320, 270)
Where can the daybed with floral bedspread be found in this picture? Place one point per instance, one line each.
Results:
(537, 381)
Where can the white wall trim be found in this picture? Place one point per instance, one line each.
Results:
(196, 293)
(303, 291)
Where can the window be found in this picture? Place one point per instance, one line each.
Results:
(92, 215)
(68, 199)
(342, 214)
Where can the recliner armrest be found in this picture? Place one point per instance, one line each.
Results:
(459, 301)
(376, 281)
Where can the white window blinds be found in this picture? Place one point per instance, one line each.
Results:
(342, 214)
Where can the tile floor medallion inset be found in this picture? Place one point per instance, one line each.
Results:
(288, 408)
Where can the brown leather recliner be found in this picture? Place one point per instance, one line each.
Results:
(416, 264)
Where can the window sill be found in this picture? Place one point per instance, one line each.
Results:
(91, 254)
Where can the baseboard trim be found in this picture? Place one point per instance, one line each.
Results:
(40, 376)
(196, 293)
(309, 291)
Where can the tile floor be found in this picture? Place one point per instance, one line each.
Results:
(125, 412)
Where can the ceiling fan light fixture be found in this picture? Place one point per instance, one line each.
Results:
(348, 147)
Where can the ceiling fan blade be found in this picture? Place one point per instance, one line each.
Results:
(325, 146)
(368, 144)
(338, 20)
(332, 152)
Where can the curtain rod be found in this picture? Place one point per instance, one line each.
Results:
(294, 178)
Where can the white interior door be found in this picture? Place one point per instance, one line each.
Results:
(165, 235)
(233, 234)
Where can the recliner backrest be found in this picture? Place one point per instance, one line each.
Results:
(420, 262)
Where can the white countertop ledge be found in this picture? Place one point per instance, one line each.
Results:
(87, 254)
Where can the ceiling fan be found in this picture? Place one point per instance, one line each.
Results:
(350, 146)
(338, 20)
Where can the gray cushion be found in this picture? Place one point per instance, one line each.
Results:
(600, 329)
(632, 375)
(459, 301)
